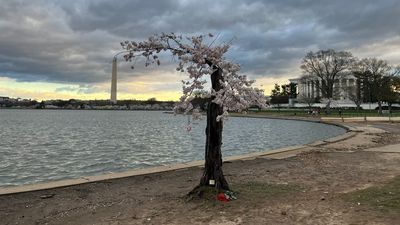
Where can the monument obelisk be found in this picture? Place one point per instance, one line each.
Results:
(114, 81)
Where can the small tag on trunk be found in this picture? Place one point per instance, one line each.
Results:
(211, 182)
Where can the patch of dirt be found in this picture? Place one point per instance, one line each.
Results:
(305, 189)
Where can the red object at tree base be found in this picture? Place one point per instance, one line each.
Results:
(221, 197)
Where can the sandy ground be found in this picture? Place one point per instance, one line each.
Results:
(304, 189)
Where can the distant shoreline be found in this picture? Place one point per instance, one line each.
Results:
(13, 108)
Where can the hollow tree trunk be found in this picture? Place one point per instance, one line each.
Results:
(213, 175)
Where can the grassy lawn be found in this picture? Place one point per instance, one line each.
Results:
(385, 197)
(255, 190)
(251, 191)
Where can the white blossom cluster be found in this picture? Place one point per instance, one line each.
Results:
(194, 57)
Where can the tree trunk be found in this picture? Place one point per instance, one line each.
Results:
(379, 107)
(328, 106)
(358, 94)
(213, 175)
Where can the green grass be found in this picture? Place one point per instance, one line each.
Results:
(254, 190)
(384, 198)
(248, 191)
(204, 192)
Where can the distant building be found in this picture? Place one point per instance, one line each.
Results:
(310, 87)
(3, 99)
(51, 107)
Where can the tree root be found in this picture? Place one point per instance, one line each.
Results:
(205, 192)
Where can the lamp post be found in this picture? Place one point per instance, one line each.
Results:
(113, 98)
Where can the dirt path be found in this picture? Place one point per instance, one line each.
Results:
(310, 188)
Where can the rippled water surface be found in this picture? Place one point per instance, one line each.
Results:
(44, 145)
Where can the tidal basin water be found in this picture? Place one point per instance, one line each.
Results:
(48, 145)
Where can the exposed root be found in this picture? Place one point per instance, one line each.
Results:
(204, 192)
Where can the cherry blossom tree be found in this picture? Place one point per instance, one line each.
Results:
(230, 91)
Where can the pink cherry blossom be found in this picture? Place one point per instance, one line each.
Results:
(193, 53)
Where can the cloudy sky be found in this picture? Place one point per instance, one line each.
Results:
(63, 48)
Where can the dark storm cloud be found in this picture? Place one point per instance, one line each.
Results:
(74, 41)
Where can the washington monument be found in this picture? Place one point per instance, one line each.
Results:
(114, 82)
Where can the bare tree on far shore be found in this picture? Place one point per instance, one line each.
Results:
(310, 101)
(327, 66)
(353, 93)
(377, 78)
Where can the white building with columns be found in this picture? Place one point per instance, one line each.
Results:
(344, 92)
(311, 87)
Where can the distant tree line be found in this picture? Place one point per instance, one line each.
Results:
(76, 103)
(14, 102)
(281, 93)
